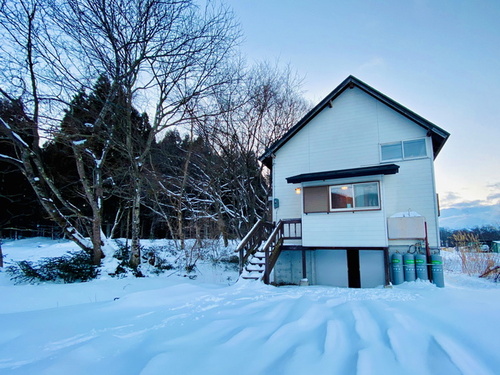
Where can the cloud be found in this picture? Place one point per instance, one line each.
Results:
(469, 204)
(495, 186)
(470, 216)
(493, 196)
(450, 195)
(450, 199)
(459, 213)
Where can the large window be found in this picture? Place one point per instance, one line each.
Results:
(403, 150)
(351, 197)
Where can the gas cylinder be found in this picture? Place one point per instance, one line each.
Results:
(397, 268)
(437, 270)
(409, 267)
(421, 266)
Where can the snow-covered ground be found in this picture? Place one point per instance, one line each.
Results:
(171, 324)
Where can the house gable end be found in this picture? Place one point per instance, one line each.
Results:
(438, 135)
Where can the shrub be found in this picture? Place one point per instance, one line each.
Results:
(70, 268)
(153, 259)
(492, 273)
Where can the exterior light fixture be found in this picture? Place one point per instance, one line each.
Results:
(297, 190)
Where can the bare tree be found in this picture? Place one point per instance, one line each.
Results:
(161, 55)
(265, 103)
(22, 58)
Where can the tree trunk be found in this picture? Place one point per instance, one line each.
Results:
(48, 203)
(94, 194)
(97, 253)
(135, 247)
(221, 225)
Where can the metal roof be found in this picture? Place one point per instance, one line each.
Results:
(344, 173)
(438, 135)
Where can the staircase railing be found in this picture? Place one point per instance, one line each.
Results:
(272, 249)
(251, 242)
(286, 229)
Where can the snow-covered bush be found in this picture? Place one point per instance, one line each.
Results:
(69, 268)
(154, 260)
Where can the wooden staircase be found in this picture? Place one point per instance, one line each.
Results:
(261, 247)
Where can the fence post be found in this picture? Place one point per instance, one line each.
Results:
(241, 261)
(266, 266)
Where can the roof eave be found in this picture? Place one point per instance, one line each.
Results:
(351, 82)
(382, 169)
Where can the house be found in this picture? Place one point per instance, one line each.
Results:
(352, 184)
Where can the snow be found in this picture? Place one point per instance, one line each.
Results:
(17, 136)
(10, 158)
(408, 213)
(172, 324)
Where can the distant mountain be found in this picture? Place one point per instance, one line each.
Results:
(469, 216)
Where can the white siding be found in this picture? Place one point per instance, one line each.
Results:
(349, 135)
(363, 229)
(412, 189)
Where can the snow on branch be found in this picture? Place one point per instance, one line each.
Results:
(14, 134)
(11, 159)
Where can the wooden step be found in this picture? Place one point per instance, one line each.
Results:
(255, 269)
(250, 277)
(257, 263)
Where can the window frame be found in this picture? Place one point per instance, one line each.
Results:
(354, 208)
(401, 144)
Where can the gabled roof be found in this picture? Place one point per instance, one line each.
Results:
(438, 135)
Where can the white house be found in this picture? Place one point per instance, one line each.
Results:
(358, 171)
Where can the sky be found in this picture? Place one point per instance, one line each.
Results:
(440, 59)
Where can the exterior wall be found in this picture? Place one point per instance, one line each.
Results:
(371, 267)
(288, 268)
(349, 135)
(329, 267)
(338, 229)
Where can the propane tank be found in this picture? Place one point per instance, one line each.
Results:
(437, 270)
(397, 268)
(409, 267)
(421, 267)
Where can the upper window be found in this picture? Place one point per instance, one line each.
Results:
(403, 150)
(351, 197)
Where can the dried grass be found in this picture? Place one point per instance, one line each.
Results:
(469, 259)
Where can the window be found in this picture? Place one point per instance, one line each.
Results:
(414, 149)
(350, 197)
(315, 199)
(403, 150)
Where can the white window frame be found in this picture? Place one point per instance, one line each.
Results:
(354, 208)
(401, 143)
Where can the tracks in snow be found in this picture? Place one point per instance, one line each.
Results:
(252, 330)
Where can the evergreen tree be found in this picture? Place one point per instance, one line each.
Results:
(105, 145)
(20, 207)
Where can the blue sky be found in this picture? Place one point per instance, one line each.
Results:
(440, 59)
